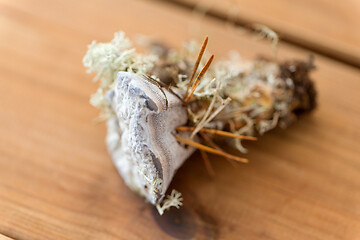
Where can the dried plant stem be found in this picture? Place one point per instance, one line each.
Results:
(207, 163)
(208, 140)
(211, 142)
(238, 125)
(212, 116)
(209, 149)
(211, 106)
(202, 50)
(216, 132)
(199, 77)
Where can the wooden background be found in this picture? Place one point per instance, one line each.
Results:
(58, 182)
(328, 27)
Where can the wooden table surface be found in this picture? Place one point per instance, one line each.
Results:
(57, 180)
(329, 27)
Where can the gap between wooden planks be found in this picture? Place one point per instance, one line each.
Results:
(326, 27)
(57, 180)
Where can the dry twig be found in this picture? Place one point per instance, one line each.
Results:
(209, 149)
(216, 132)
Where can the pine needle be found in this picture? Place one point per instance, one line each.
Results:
(216, 132)
(214, 145)
(212, 116)
(209, 149)
(211, 106)
(196, 66)
(199, 77)
(207, 163)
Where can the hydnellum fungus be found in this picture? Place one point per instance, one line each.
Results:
(159, 108)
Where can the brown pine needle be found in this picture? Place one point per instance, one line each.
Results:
(202, 50)
(207, 163)
(214, 145)
(211, 142)
(209, 149)
(199, 77)
(216, 132)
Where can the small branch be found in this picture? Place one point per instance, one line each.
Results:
(216, 132)
(209, 149)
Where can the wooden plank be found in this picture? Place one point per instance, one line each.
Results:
(57, 180)
(327, 27)
(3, 237)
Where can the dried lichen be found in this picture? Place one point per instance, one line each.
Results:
(172, 200)
(267, 33)
(107, 59)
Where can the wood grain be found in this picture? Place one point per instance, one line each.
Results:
(57, 180)
(328, 27)
(2, 237)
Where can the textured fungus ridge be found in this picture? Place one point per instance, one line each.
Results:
(140, 136)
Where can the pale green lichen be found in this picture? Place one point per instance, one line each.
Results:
(107, 59)
(172, 200)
